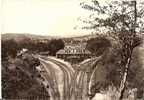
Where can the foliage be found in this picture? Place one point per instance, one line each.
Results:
(55, 45)
(34, 46)
(119, 20)
(9, 48)
(19, 79)
(108, 72)
(41, 47)
(98, 45)
(116, 15)
(123, 22)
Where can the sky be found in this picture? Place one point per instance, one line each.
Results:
(43, 17)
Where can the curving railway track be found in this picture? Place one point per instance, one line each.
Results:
(64, 82)
(64, 93)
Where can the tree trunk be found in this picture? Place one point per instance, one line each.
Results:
(124, 79)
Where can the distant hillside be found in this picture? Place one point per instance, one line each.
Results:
(22, 36)
(83, 36)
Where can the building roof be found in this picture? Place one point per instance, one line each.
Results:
(74, 50)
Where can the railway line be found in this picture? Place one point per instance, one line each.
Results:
(70, 84)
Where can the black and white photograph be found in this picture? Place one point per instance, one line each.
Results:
(72, 49)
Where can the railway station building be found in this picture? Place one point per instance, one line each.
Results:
(73, 53)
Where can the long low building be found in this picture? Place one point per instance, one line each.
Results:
(74, 54)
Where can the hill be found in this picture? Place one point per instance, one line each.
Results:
(23, 36)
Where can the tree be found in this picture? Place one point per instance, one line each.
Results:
(28, 44)
(55, 45)
(40, 46)
(20, 81)
(9, 48)
(98, 45)
(33, 46)
(124, 23)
